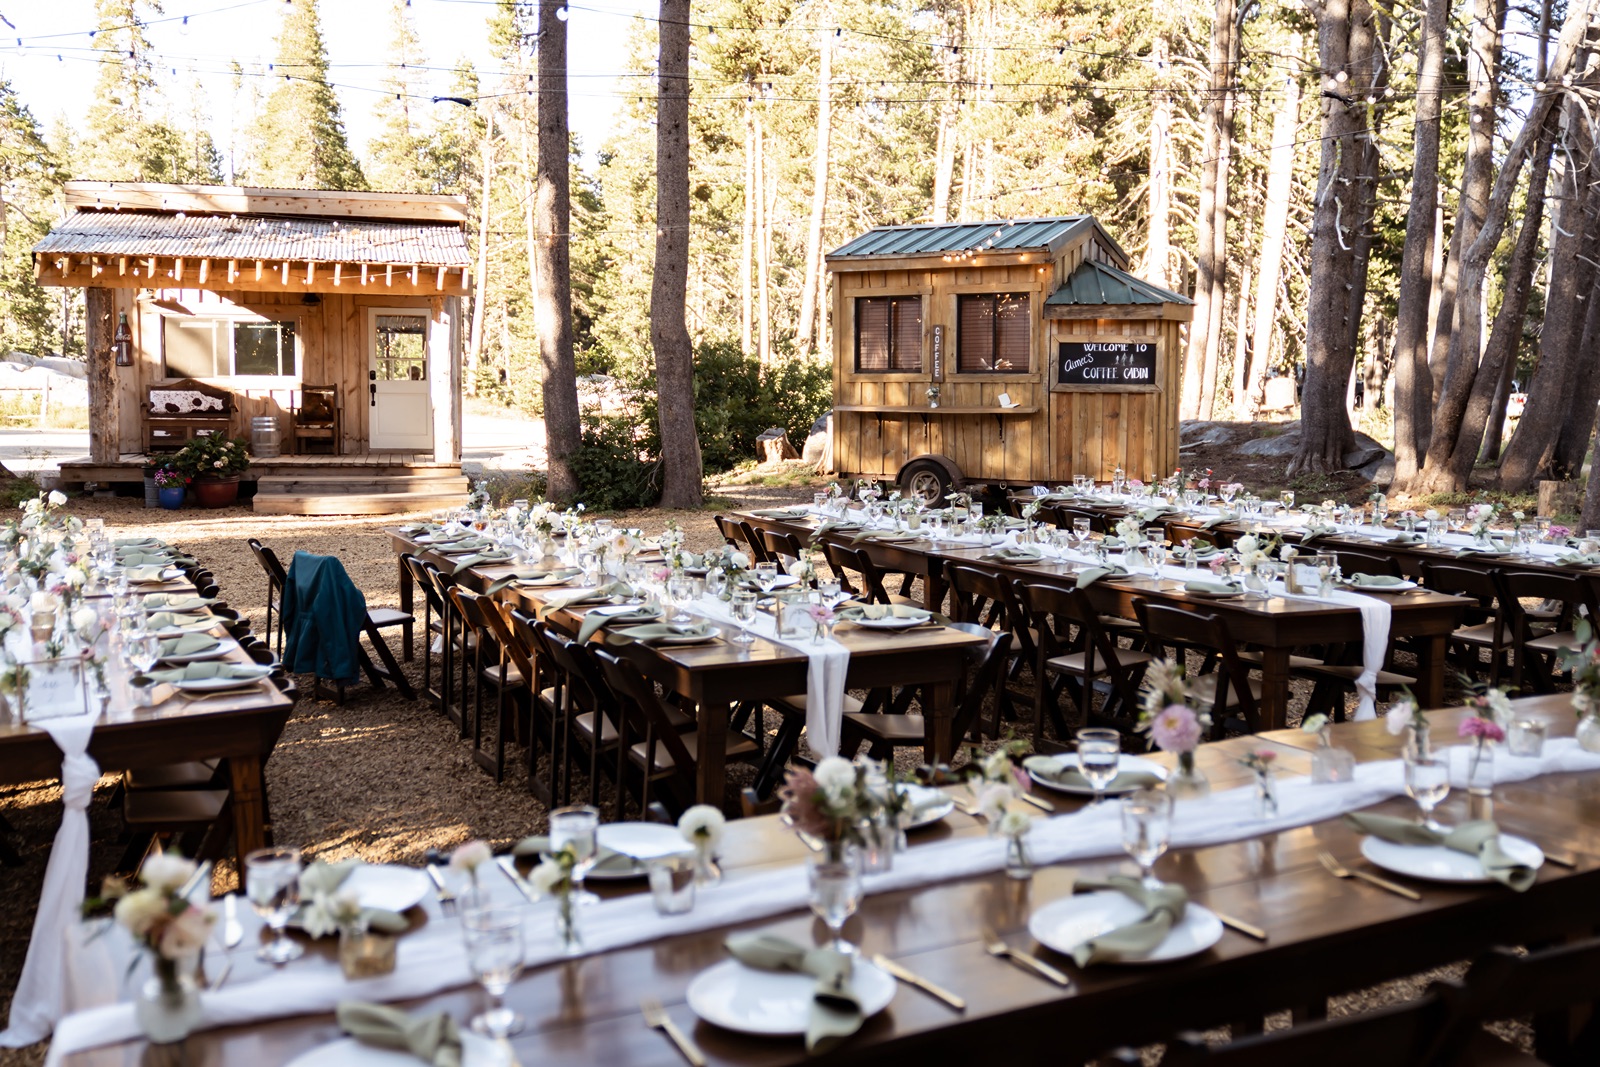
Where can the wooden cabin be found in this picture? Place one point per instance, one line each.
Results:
(335, 315)
(1018, 352)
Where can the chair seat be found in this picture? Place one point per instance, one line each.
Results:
(738, 746)
(1482, 635)
(1204, 689)
(193, 774)
(895, 729)
(382, 617)
(1075, 662)
(1556, 642)
(174, 808)
(512, 678)
(799, 703)
(584, 725)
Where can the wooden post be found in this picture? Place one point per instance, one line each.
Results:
(100, 326)
(444, 394)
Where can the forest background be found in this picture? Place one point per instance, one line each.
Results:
(1397, 194)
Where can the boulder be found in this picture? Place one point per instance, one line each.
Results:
(816, 447)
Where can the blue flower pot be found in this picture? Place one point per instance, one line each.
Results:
(171, 499)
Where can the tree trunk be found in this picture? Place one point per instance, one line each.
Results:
(1346, 45)
(1578, 426)
(1494, 427)
(1241, 314)
(763, 227)
(819, 194)
(1413, 384)
(747, 242)
(1443, 470)
(669, 335)
(475, 336)
(944, 163)
(1158, 240)
(1213, 236)
(552, 295)
(1274, 232)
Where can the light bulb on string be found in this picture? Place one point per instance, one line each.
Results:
(561, 14)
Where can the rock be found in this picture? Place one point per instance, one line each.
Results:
(1559, 498)
(1283, 444)
(816, 448)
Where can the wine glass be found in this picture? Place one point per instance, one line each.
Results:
(679, 590)
(1146, 830)
(143, 649)
(1286, 498)
(1428, 783)
(766, 575)
(494, 952)
(835, 894)
(272, 882)
(1099, 751)
(743, 607)
(1080, 527)
(576, 828)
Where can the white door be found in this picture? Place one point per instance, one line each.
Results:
(397, 386)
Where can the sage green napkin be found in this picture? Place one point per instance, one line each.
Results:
(147, 572)
(1578, 559)
(465, 546)
(197, 672)
(139, 542)
(657, 630)
(1094, 574)
(1404, 538)
(1320, 529)
(835, 1011)
(1377, 581)
(188, 645)
(432, 1038)
(1201, 585)
(168, 620)
(835, 526)
(1052, 769)
(534, 576)
(135, 557)
(179, 602)
(1206, 552)
(607, 861)
(781, 513)
(883, 535)
(318, 883)
(498, 555)
(594, 620)
(857, 612)
(596, 594)
(1480, 837)
(1163, 908)
(1018, 554)
(1214, 522)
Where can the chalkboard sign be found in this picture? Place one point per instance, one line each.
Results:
(1106, 363)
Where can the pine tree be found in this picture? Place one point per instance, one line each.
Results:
(300, 140)
(397, 158)
(116, 143)
(29, 178)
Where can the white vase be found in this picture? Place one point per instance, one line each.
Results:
(167, 1005)
(1589, 732)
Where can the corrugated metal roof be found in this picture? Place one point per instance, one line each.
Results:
(1002, 235)
(1096, 283)
(307, 239)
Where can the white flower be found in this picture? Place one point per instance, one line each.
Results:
(702, 824)
(1398, 717)
(799, 569)
(992, 801)
(186, 934)
(1014, 823)
(997, 766)
(1313, 724)
(1431, 515)
(834, 775)
(470, 856)
(345, 905)
(547, 877)
(1247, 545)
(140, 910)
(57, 498)
(166, 871)
(42, 601)
(84, 620)
(739, 561)
(1498, 705)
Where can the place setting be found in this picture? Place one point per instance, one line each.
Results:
(1098, 769)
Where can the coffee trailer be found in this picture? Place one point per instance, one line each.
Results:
(1011, 353)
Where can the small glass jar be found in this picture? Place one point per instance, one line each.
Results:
(672, 884)
(1526, 738)
(1480, 780)
(1019, 863)
(365, 953)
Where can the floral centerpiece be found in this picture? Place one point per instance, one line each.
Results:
(1168, 714)
(1584, 663)
(828, 806)
(468, 858)
(1480, 517)
(1406, 714)
(172, 931)
(997, 780)
(1483, 726)
(701, 825)
(553, 877)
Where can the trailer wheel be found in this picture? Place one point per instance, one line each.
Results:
(925, 481)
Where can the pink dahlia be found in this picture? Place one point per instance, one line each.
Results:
(1482, 729)
(1175, 729)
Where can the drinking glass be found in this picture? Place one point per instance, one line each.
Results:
(680, 589)
(975, 510)
(1286, 498)
(1080, 527)
(766, 575)
(576, 827)
(835, 894)
(1265, 571)
(143, 649)
(935, 523)
(743, 606)
(1146, 830)
(272, 882)
(1428, 783)
(1099, 751)
(494, 952)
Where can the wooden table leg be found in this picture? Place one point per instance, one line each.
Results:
(406, 599)
(933, 590)
(939, 712)
(249, 805)
(1274, 688)
(1431, 655)
(711, 771)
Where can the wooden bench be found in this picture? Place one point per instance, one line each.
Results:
(177, 412)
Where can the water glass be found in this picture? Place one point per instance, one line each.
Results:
(1081, 527)
(272, 882)
(680, 590)
(766, 575)
(577, 828)
(1146, 830)
(672, 884)
(1286, 498)
(1428, 783)
(835, 894)
(743, 607)
(1526, 738)
(494, 952)
(1099, 751)
(143, 649)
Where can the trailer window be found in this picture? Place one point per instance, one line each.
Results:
(889, 334)
(992, 334)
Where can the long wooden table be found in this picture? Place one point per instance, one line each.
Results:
(718, 676)
(1277, 625)
(1325, 936)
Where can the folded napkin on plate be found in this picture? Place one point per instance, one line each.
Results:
(188, 645)
(883, 535)
(607, 860)
(147, 572)
(1578, 559)
(319, 883)
(835, 1011)
(179, 602)
(139, 542)
(835, 526)
(1404, 538)
(1377, 581)
(857, 612)
(169, 620)
(1480, 838)
(535, 576)
(1200, 585)
(1094, 574)
(465, 546)
(460, 564)
(1163, 909)
(655, 631)
(593, 620)
(432, 1038)
(1320, 529)
(1205, 552)
(781, 513)
(1218, 520)
(1021, 553)
(595, 595)
(1052, 769)
(197, 672)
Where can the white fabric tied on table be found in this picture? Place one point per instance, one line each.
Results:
(1375, 620)
(433, 959)
(829, 663)
(38, 1000)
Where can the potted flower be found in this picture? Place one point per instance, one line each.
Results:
(170, 485)
(214, 463)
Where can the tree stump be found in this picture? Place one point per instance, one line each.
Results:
(774, 445)
(1559, 498)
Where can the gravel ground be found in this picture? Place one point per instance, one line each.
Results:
(380, 778)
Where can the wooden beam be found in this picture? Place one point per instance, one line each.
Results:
(150, 267)
(100, 323)
(388, 275)
(935, 261)
(440, 285)
(286, 272)
(1120, 312)
(336, 269)
(205, 269)
(64, 264)
(38, 267)
(233, 269)
(95, 266)
(122, 264)
(259, 266)
(363, 274)
(177, 271)
(168, 273)
(311, 273)
(228, 200)
(413, 274)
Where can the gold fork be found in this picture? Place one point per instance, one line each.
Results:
(997, 947)
(656, 1017)
(1339, 870)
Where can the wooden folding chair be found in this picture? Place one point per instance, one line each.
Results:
(1229, 690)
(886, 732)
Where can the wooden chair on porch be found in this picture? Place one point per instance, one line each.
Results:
(316, 420)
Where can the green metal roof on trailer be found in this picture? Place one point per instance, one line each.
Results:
(1000, 235)
(1096, 283)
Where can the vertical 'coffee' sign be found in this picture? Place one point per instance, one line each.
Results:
(938, 353)
(1131, 363)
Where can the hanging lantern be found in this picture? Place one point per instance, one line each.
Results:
(122, 341)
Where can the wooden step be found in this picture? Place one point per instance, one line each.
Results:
(326, 503)
(365, 482)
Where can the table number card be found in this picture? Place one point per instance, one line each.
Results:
(52, 689)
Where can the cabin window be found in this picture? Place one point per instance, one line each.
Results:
(889, 334)
(992, 334)
(222, 348)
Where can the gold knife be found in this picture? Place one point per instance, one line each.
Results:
(1247, 929)
(506, 864)
(911, 978)
(1043, 805)
(1384, 883)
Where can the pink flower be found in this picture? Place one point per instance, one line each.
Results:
(799, 803)
(1265, 755)
(820, 613)
(1175, 729)
(1204, 483)
(1482, 729)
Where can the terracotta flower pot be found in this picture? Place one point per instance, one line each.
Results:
(216, 491)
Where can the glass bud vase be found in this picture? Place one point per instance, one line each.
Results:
(1266, 795)
(1480, 781)
(877, 845)
(1187, 783)
(1589, 732)
(706, 871)
(167, 1005)
(567, 934)
(1019, 864)
(1331, 764)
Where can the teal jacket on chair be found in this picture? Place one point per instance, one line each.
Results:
(323, 616)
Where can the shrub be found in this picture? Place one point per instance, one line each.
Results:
(612, 469)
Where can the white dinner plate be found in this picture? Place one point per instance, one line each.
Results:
(1065, 924)
(225, 645)
(217, 685)
(171, 574)
(1392, 587)
(1435, 863)
(939, 804)
(897, 617)
(775, 1003)
(199, 625)
(387, 886)
(476, 1051)
(641, 840)
(1124, 763)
